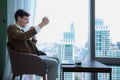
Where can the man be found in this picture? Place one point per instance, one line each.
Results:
(24, 41)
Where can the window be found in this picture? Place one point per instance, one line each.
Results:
(106, 27)
(107, 38)
(67, 32)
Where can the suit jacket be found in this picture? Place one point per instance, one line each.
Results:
(20, 41)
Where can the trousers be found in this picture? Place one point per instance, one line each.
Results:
(52, 64)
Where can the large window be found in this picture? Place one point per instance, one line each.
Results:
(107, 40)
(64, 16)
(107, 17)
(68, 23)
(66, 35)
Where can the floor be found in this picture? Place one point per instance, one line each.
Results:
(29, 77)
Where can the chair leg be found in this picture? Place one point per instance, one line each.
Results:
(13, 77)
(44, 77)
(20, 77)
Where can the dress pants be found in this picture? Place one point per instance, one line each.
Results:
(52, 64)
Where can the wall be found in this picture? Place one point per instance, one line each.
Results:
(3, 26)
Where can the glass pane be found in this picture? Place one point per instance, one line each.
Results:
(115, 74)
(107, 38)
(66, 35)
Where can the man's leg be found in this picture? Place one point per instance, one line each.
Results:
(56, 58)
(58, 61)
(52, 66)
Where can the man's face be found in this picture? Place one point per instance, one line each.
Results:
(23, 21)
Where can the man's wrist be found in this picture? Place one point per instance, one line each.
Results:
(41, 25)
(37, 28)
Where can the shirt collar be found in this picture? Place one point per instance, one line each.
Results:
(19, 27)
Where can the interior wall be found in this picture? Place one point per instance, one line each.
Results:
(3, 26)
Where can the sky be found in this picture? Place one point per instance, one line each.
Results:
(61, 13)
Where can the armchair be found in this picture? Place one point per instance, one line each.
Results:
(25, 63)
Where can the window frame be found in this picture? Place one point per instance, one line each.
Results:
(105, 60)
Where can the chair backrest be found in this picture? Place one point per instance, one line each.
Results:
(11, 53)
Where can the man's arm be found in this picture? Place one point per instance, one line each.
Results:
(15, 33)
(44, 22)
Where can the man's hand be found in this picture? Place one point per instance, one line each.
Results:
(44, 22)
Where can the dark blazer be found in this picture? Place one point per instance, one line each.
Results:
(20, 41)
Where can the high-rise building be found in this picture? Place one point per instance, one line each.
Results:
(66, 49)
(102, 38)
(118, 44)
(102, 42)
(104, 48)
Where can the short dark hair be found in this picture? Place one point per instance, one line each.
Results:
(21, 13)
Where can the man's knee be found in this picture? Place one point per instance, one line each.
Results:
(55, 63)
(56, 58)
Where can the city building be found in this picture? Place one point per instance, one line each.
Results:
(104, 48)
(102, 38)
(66, 49)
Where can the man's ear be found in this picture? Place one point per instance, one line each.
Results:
(18, 18)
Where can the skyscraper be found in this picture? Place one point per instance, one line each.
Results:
(102, 38)
(66, 49)
(102, 42)
(104, 48)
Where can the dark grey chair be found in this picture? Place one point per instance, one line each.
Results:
(25, 63)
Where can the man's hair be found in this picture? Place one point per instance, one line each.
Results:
(21, 13)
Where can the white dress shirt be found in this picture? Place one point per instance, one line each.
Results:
(37, 28)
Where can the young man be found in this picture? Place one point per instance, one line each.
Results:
(24, 42)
